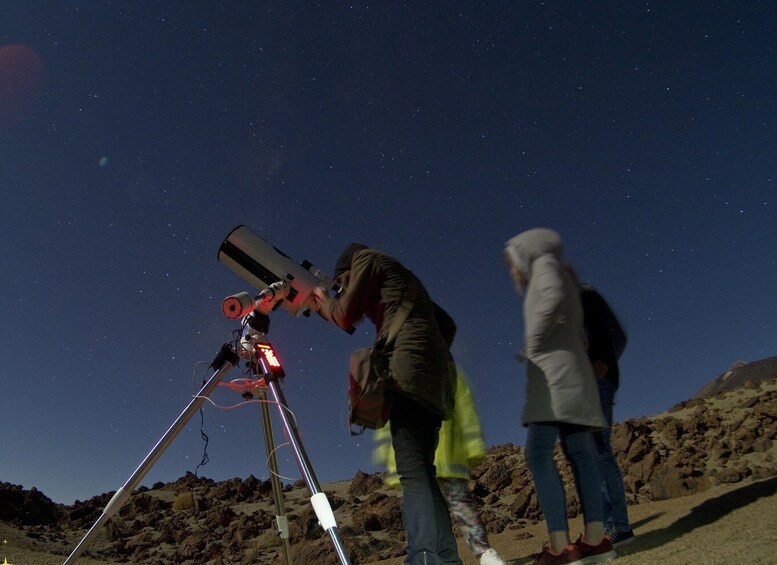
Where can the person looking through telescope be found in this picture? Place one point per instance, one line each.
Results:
(374, 286)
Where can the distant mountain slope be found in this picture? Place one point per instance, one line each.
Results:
(739, 373)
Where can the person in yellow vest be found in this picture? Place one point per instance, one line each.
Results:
(461, 448)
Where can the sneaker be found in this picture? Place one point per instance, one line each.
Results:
(570, 555)
(621, 537)
(491, 557)
(595, 553)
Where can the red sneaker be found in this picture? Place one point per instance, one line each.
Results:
(595, 553)
(570, 555)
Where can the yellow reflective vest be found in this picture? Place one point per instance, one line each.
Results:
(461, 446)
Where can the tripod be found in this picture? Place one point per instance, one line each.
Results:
(264, 363)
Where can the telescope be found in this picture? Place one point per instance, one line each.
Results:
(281, 281)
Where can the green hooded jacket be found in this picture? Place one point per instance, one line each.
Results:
(374, 285)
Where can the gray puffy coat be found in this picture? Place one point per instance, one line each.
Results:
(561, 386)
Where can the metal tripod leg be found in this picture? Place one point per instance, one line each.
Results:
(226, 360)
(318, 499)
(281, 520)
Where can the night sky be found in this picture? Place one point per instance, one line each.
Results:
(134, 136)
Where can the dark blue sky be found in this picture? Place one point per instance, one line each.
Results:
(645, 133)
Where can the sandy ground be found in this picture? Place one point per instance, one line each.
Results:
(727, 524)
(734, 524)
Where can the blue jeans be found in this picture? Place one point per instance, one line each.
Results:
(614, 495)
(414, 435)
(577, 444)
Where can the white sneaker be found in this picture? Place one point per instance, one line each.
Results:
(491, 557)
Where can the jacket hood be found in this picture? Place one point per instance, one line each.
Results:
(527, 246)
(344, 261)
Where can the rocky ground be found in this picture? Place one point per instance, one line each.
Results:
(701, 480)
(714, 527)
(725, 524)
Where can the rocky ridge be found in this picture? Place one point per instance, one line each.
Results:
(724, 437)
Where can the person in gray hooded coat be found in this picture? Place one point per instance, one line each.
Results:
(562, 400)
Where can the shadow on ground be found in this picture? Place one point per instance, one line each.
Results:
(706, 513)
